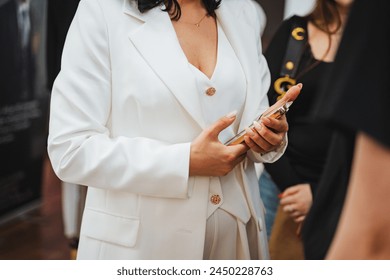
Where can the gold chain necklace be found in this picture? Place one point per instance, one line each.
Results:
(196, 24)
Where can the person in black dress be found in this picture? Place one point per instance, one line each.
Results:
(356, 101)
(298, 171)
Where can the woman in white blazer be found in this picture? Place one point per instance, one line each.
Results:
(139, 114)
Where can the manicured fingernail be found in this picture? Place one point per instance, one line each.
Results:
(280, 195)
(257, 125)
(300, 85)
(232, 114)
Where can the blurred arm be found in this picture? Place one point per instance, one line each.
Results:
(365, 219)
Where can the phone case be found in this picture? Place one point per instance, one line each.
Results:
(275, 111)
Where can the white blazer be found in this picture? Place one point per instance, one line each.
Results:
(123, 115)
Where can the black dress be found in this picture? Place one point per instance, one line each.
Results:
(355, 98)
(308, 141)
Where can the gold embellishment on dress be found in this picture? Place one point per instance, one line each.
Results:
(282, 84)
(289, 65)
(298, 33)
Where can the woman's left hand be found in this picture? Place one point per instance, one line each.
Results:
(267, 135)
(296, 201)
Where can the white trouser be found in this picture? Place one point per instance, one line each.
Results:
(73, 201)
(228, 238)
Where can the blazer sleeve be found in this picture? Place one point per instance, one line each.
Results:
(80, 146)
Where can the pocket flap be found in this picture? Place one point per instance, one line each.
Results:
(110, 228)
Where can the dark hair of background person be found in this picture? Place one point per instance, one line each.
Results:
(324, 15)
(174, 8)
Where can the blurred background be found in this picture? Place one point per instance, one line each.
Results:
(38, 221)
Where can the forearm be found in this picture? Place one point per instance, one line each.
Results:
(365, 219)
(137, 165)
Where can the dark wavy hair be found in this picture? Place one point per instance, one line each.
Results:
(173, 7)
(324, 14)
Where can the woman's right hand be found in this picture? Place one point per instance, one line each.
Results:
(210, 157)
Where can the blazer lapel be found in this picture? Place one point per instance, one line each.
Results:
(241, 38)
(157, 42)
